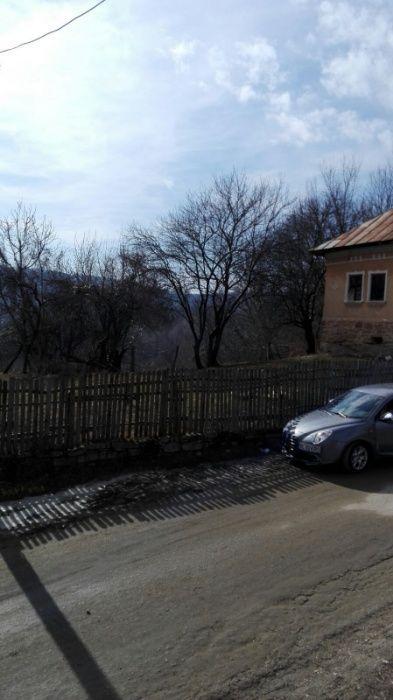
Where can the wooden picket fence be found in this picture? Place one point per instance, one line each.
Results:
(51, 413)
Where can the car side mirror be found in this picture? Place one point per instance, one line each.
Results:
(386, 417)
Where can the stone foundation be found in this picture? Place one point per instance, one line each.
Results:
(357, 338)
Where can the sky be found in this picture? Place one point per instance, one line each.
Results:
(115, 118)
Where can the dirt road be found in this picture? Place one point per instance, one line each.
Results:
(270, 583)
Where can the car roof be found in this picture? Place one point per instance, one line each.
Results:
(378, 389)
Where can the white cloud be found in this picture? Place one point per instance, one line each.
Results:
(246, 93)
(260, 62)
(360, 23)
(329, 124)
(182, 52)
(349, 75)
(353, 127)
(246, 70)
(251, 71)
(218, 68)
(280, 101)
(303, 129)
(363, 35)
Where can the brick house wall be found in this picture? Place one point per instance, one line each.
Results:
(361, 327)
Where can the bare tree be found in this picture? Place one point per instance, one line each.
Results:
(103, 302)
(341, 194)
(295, 275)
(26, 254)
(208, 252)
(257, 332)
(333, 206)
(378, 196)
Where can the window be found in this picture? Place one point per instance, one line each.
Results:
(387, 408)
(355, 286)
(354, 404)
(377, 286)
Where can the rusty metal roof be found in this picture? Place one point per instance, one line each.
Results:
(377, 230)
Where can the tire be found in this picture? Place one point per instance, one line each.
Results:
(356, 458)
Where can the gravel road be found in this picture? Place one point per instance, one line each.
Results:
(255, 580)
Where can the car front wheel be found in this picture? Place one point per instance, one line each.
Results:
(356, 458)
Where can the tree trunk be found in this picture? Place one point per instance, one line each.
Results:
(212, 360)
(197, 355)
(26, 360)
(310, 338)
(116, 361)
(213, 348)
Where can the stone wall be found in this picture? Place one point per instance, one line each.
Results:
(357, 338)
(101, 458)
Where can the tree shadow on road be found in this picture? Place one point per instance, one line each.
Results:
(162, 495)
(167, 495)
(88, 673)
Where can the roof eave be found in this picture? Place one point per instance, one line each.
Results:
(324, 251)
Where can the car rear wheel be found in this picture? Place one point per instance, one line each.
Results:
(356, 458)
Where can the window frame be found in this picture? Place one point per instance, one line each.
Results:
(377, 272)
(349, 274)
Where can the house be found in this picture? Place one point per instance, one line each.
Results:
(358, 303)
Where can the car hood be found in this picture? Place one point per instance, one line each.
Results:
(320, 420)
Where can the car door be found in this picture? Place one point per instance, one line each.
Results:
(384, 430)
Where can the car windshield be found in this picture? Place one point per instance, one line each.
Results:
(353, 404)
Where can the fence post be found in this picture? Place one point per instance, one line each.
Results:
(235, 402)
(4, 413)
(69, 414)
(10, 433)
(163, 410)
(281, 404)
(175, 406)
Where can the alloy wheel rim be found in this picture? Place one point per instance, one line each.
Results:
(359, 457)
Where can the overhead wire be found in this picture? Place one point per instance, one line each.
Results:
(52, 31)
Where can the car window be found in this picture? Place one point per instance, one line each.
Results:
(354, 404)
(386, 408)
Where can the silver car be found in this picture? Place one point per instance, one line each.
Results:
(351, 429)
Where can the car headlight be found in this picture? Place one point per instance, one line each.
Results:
(320, 436)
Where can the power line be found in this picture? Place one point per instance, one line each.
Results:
(53, 31)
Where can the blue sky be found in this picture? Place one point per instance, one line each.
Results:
(116, 117)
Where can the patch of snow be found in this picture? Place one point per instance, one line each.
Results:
(379, 503)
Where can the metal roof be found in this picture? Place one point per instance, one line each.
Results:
(377, 230)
